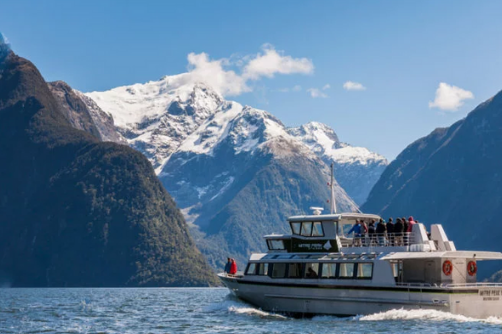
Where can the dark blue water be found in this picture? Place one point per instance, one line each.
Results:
(196, 311)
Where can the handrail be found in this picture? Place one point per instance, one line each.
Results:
(427, 285)
(379, 240)
(477, 284)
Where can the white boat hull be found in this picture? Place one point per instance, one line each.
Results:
(321, 298)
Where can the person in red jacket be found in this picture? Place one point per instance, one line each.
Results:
(411, 222)
(233, 267)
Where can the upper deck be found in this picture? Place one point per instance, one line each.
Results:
(330, 233)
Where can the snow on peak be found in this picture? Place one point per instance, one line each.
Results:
(323, 140)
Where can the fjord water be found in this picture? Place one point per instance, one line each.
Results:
(196, 311)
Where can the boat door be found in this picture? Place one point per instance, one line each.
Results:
(429, 274)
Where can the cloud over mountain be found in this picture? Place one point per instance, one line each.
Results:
(223, 74)
(449, 97)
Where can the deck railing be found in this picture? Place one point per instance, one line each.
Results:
(473, 285)
(378, 240)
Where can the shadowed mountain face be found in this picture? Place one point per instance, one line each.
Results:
(452, 177)
(75, 211)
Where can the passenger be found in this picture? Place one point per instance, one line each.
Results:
(311, 273)
(390, 232)
(364, 233)
(380, 231)
(233, 267)
(372, 232)
(357, 233)
(228, 265)
(398, 232)
(405, 231)
(411, 222)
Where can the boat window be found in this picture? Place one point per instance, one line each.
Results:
(312, 270)
(295, 270)
(263, 269)
(279, 270)
(275, 244)
(317, 256)
(346, 270)
(284, 256)
(301, 257)
(307, 229)
(328, 270)
(251, 269)
(364, 270)
(317, 231)
(296, 227)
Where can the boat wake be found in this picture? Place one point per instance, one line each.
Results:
(236, 306)
(428, 315)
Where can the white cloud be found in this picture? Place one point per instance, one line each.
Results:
(449, 97)
(326, 86)
(226, 82)
(297, 88)
(351, 85)
(271, 62)
(316, 93)
(218, 73)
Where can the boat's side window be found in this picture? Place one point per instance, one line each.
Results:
(328, 270)
(364, 270)
(279, 270)
(346, 270)
(307, 229)
(275, 244)
(317, 231)
(251, 269)
(312, 270)
(263, 269)
(296, 226)
(295, 270)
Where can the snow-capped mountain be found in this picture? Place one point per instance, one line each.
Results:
(236, 172)
(157, 116)
(357, 169)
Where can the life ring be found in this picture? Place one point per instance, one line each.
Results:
(447, 267)
(472, 268)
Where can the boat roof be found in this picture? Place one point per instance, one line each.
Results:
(477, 255)
(334, 217)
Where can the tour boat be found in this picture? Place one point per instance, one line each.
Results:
(321, 269)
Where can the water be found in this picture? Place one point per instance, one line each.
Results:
(197, 311)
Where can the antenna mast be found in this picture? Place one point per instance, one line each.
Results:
(332, 200)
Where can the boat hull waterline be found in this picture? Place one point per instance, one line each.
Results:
(322, 298)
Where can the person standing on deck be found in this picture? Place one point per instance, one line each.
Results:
(356, 241)
(372, 232)
(233, 267)
(398, 232)
(380, 231)
(390, 232)
(405, 231)
(228, 265)
(411, 222)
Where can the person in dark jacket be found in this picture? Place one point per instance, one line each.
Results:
(398, 232)
(227, 265)
(380, 231)
(372, 232)
(405, 231)
(390, 231)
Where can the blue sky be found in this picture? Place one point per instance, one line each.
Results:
(400, 51)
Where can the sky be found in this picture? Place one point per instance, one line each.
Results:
(380, 73)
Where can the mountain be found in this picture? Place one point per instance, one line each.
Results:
(453, 177)
(357, 169)
(84, 114)
(237, 172)
(75, 211)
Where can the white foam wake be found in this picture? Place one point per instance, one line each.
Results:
(431, 315)
(236, 306)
